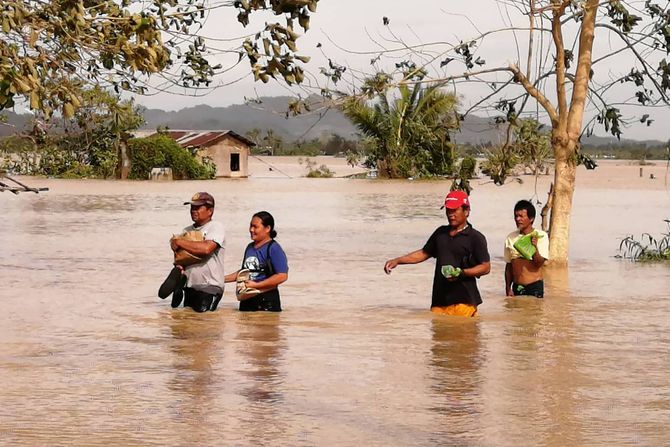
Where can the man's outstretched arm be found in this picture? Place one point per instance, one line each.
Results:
(414, 257)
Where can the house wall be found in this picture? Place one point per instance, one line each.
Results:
(220, 154)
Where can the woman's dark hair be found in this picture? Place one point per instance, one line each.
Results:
(268, 221)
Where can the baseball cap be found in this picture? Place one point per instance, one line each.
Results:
(201, 198)
(456, 199)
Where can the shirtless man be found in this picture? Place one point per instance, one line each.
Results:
(524, 276)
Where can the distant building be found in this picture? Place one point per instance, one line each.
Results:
(227, 149)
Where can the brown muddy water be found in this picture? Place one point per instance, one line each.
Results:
(90, 356)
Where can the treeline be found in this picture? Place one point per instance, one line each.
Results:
(97, 142)
(410, 136)
(624, 151)
(629, 151)
(269, 143)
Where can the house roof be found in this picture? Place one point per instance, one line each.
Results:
(204, 138)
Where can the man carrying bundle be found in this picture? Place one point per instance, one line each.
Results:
(526, 251)
(198, 259)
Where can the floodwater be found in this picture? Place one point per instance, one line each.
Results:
(90, 356)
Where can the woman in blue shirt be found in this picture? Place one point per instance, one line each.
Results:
(267, 264)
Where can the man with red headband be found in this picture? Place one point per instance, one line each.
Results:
(462, 256)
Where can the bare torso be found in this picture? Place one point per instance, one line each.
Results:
(525, 272)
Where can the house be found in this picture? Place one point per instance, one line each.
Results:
(227, 149)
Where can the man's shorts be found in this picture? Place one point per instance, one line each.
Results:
(535, 289)
(460, 310)
(200, 301)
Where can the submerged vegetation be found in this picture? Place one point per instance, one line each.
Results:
(647, 248)
(316, 172)
(161, 150)
(96, 142)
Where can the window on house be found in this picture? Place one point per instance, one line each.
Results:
(234, 162)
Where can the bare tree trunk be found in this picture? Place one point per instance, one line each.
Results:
(547, 208)
(124, 161)
(566, 130)
(564, 188)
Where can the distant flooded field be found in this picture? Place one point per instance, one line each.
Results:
(91, 356)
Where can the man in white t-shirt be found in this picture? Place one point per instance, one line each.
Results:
(204, 279)
(523, 269)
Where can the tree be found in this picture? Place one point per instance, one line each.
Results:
(50, 50)
(103, 112)
(532, 145)
(272, 141)
(409, 134)
(337, 144)
(466, 171)
(558, 75)
(254, 135)
(530, 148)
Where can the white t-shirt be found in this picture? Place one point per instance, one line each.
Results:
(511, 253)
(209, 275)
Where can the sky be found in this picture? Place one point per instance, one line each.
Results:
(352, 33)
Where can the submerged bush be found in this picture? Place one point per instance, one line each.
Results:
(161, 151)
(313, 172)
(321, 172)
(647, 248)
(466, 171)
(69, 155)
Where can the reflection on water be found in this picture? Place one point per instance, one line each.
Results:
(457, 359)
(91, 357)
(193, 344)
(261, 343)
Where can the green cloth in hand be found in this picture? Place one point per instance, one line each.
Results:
(524, 245)
(449, 271)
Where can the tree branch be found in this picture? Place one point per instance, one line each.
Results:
(538, 95)
(557, 35)
(583, 71)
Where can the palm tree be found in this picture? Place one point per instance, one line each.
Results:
(409, 132)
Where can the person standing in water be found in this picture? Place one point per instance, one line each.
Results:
(460, 249)
(204, 279)
(267, 265)
(523, 276)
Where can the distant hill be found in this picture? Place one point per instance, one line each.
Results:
(15, 123)
(270, 113)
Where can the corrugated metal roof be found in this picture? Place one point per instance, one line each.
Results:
(204, 138)
(175, 135)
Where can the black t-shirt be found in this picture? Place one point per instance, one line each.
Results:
(466, 249)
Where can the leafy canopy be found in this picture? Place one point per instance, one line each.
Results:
(408, 134)
(50, 50)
